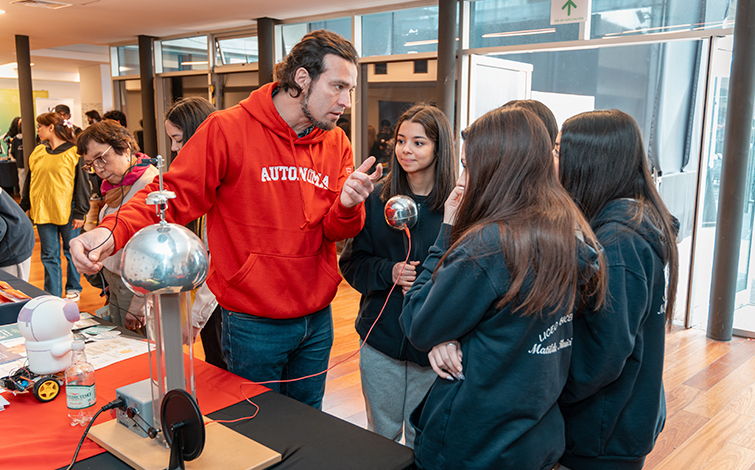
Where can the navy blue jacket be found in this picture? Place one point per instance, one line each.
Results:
(16, 232)
(613, 402)
(504, 415)
(367, 264)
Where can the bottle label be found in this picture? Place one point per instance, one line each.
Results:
(79, 397)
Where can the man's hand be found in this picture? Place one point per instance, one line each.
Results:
(359, 185)
(76, 223)
(89, 249)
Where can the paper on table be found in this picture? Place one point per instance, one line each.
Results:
(104, 353)
(99, 354)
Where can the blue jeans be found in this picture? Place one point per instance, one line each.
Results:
(263, 349)
(49, 241)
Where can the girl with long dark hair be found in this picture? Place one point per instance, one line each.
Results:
(613, 402)
(181, 122)
(503, 278)
(395, 376)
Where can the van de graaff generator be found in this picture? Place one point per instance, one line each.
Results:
(165, 262)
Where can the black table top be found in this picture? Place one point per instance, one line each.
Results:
(9, 311)
(306, 438)
(8, 174)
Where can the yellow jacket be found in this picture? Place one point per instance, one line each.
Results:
(52, 178)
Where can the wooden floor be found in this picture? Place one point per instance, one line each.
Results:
(710, 389)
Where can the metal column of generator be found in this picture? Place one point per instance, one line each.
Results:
(733, 175)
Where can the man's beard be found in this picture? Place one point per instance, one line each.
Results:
(324, 125)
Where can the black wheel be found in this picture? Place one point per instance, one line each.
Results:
(179, 408)
(46, 389)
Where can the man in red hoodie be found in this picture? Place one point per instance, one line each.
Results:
(275, 177)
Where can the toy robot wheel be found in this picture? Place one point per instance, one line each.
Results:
(46, 389)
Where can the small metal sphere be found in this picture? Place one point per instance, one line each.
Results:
(401, 212)
(164, 259)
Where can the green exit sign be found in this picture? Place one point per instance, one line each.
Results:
(569, 11)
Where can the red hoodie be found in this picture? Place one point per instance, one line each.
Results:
(272, 204)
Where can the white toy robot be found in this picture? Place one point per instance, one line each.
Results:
(45, 322)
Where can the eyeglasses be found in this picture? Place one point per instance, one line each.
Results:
(99, 161)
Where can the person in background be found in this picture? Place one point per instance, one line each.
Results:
(117, 116)
(65, 112)
(93, 116)
(503, 278)
(278, 185)
(139, 134)
(13, 131)
(109, 149)
(14, 140)
(371, 136)
(395, 375)
(181, 122)
(613, 402)
(345, 126)
(56, 194)
(382, 149)
(16, 238)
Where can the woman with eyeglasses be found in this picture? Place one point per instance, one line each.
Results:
(112, 152)
(56, 195)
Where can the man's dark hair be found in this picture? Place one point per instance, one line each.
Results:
(117, 116)
(310, 53)
(63, 109)
(93, 115)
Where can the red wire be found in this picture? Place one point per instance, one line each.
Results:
(241, 387)
(408, 252)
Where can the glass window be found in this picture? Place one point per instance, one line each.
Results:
(659, 86)
(237, 51)
(400, 32)
(292, 33)
(126, 60)
(632, 17)
(507, 23)
(185, 54)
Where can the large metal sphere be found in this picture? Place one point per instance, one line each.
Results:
(164, 259)
(401, 212)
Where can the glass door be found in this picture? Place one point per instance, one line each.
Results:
(710, 180)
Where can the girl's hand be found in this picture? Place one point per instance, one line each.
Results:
(408, 273)
(445, 359)
(452, 205)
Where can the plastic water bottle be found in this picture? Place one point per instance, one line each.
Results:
(80, 394)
